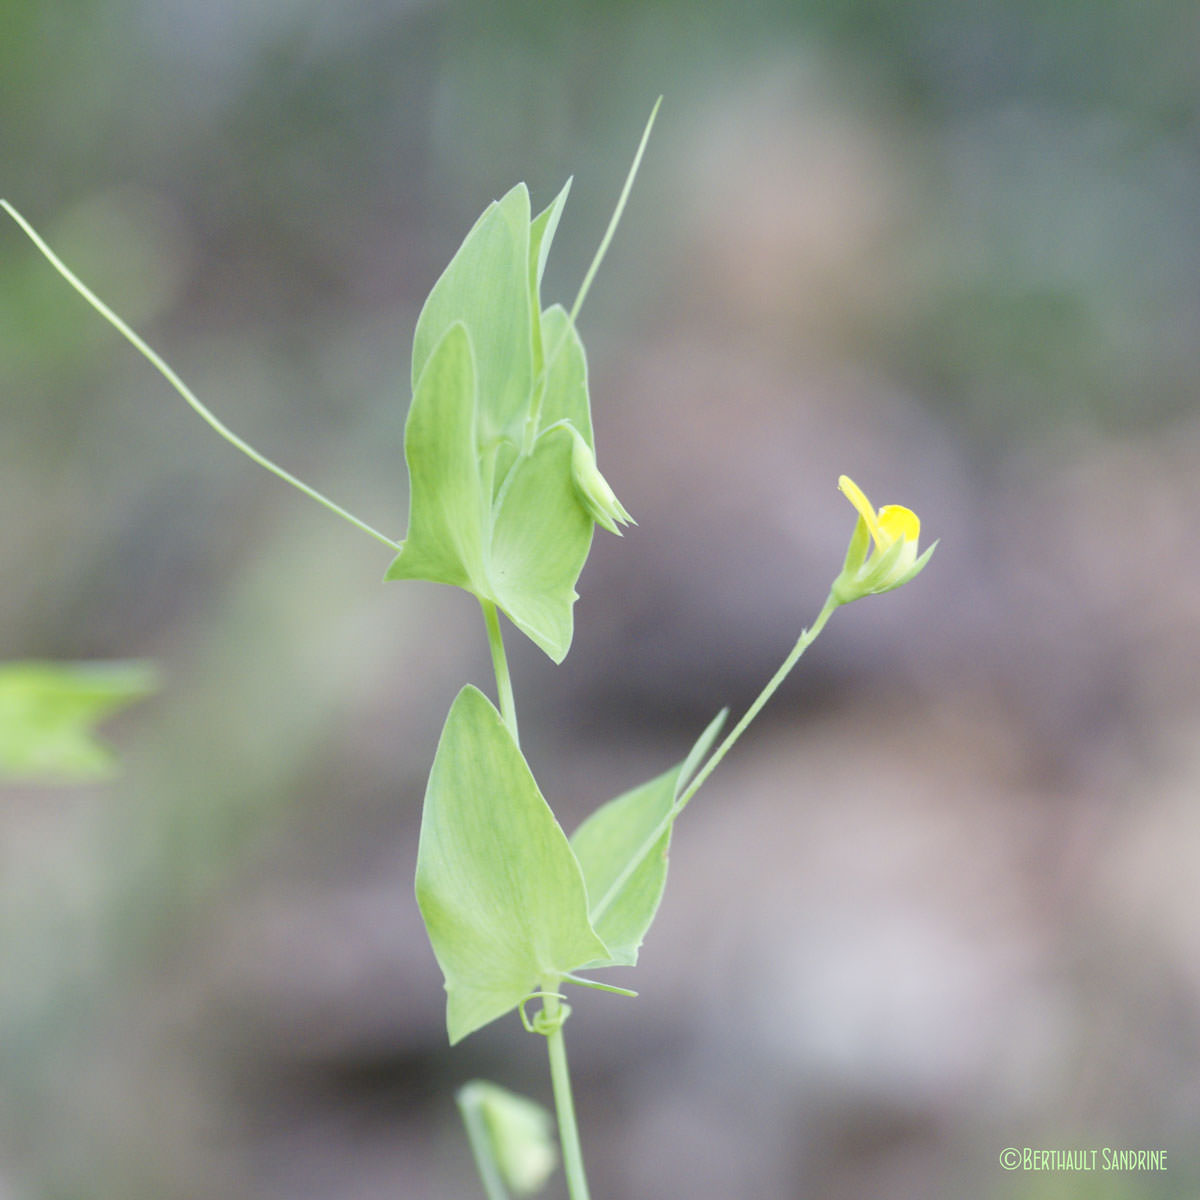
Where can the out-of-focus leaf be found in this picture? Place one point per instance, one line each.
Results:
(625, 882)
(514, 1133)
(501, 894)
(49, 711)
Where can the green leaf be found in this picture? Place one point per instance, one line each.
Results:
(502, 896)
(506, 455)
(565, 396)
(541, 235)
(48, 712)
(699, 751)
(622, 849)
(495, 507)
(448, 505)
(486, 286)
(540, 541)
(527, 554)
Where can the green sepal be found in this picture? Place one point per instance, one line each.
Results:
(622, 848)
(49, 711)
(883, 572)
(919, 565)
(501, 893)
(856, 551)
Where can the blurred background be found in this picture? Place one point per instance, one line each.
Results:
(942, 900)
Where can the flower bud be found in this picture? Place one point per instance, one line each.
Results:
(593, 490)
(519, 1134)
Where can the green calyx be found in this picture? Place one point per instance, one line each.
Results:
(881, 572)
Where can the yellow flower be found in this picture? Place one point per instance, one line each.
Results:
(895, 531)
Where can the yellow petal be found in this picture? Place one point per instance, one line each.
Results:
(857, 497)
(899, 522)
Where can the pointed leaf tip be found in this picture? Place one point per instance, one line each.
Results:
(622, 849)
(498, 886)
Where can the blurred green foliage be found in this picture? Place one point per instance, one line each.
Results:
(48, 714)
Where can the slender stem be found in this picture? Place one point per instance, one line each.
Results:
(564, 1105)
(481, 1146)
(615, 220)
(805, 640)
(173, 379)
(508, 707)
(590, 274)
(533, 421)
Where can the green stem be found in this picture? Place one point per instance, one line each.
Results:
(589, 276)
(539, 390)
(508, 707)
(173, 379)
(615, 220)
(564, 1105)
(805, 640)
